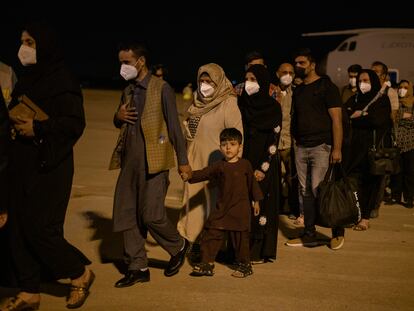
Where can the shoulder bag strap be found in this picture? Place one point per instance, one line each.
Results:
(379, 94)
(393, 138)
(374, 140)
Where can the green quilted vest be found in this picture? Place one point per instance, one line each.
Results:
(158, 148)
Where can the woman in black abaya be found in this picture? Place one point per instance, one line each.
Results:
(376, 118)
(262, 121)
(41, 170)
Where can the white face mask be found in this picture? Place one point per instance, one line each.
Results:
(27, 55)
(402, 92)
(352, 82)
(251, 87)
(286, 79)
(128, 72)
(365, 87)
(206, 89)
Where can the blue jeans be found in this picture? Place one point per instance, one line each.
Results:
(315, 162)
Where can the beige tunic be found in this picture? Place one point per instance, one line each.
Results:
(7, 81)
(202, 151)
(285, 100)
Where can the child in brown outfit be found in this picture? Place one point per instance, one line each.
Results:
(237, 189)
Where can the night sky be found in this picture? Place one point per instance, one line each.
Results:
(198, 34)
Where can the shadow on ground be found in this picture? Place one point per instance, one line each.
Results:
(291, 231)
(111, 243)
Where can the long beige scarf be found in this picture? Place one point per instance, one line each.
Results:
(223, 90)
(201, 105)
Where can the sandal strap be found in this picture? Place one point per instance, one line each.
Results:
(246, 269)
(202, 266)
(80, 289)
(84, 288)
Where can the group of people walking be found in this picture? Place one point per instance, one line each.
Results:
(235, 148)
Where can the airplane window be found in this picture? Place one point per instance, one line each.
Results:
(352, 45)
(343, 47)
(394, 76)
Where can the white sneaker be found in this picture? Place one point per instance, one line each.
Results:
(304, 240)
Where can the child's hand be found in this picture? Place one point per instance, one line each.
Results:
(259, 175)
(185, 172)
(184, 176)
(256, 209)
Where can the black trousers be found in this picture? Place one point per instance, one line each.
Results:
(36, 239)
(403, 183)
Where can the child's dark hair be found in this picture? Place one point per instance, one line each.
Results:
(231, 134)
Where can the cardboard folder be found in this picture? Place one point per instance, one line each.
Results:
(27, 109)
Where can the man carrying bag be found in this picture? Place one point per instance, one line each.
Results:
(338, 203)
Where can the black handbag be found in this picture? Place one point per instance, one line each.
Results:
(384, 160)
(338, 203)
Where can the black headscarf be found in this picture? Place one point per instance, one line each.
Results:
(363, 99)
(260, 110)
(378, 112)
(49, 76)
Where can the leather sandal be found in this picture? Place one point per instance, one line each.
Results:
(203, 269)
(78, 294)
(18, 304)
(242, 271)
(361, 226)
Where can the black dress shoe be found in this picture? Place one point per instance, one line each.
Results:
(132, 277)
(177, 261)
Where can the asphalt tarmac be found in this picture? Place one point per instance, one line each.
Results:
(373, 271)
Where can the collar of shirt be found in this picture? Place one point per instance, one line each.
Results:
(144, 82)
